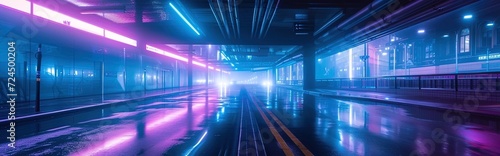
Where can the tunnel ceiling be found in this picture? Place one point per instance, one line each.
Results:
(255, 33)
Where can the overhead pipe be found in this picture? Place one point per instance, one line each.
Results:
(338, 35)
(272, 18)
(223, 17)
(254, 17)
(449, 5)
(229, 7)
(261, 5)
(357, 18)
(407, 10)
(266, 17)
(336, 17)
(364, 14)
(217, 18)
(399, 16)
(237, 19)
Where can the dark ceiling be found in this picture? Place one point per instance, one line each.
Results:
(259, 33)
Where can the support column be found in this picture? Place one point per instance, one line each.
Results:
(206, 68)
(309, 74)
(190, 67)
(273, 75)
(142, 48)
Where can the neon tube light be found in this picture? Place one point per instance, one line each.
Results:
(49, 14)
(350, 64)
(199, 64)
(163, 52)
(183, 18)
(20, 5)
(66, 20)
(210, 67)
(119, 38)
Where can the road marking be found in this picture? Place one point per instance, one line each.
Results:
(295, 140)
(275, 133)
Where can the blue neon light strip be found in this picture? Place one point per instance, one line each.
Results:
(183, 18)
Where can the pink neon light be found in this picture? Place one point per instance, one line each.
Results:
(217, 69)
(20, 5)
(119, 38)
(199, 64)
(210, 67)
(66, 20)
(123, 137)
(163, 52)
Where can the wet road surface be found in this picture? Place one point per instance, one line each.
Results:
(257, 121)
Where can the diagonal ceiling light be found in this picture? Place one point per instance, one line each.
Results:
(184, 18)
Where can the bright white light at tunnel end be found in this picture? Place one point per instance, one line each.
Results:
(223, 84)
(267, 83)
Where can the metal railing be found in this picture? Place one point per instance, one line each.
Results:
(453, 82)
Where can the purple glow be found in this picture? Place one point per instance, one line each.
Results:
(163, 52)
(119, 38)
(217, 69)
(110, 144)
(20, 5)
(66, 20)
(210, 67)
(199, 64)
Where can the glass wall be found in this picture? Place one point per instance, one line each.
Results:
(468, 43)
(345, 64)
(77, 63)
(290, 74)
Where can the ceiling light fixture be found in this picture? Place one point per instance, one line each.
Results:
(184, 18)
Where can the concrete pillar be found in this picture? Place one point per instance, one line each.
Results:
(309, 74)
(206, 68)
(190, 66)
(273, 75)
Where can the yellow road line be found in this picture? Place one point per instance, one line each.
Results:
(275, 133)
(295, 140)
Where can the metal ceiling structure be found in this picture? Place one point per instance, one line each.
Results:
(263, 33)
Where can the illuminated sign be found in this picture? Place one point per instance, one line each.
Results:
(492, 56)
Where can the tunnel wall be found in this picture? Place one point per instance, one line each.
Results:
(69, 72)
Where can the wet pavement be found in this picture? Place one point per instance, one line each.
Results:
(257, 121)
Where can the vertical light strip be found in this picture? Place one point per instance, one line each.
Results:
(350, 64)
(66, 20)
(184, 18)
(24, 6)
(119, 38)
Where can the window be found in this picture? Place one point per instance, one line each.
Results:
(487, 37)
(498, 35)
(464, 40)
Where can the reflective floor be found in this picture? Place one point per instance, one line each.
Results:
(257, 121)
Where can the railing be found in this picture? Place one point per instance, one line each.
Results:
(289, 82)
(451, 82)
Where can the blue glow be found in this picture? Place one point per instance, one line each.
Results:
(490, 24)
(350, 64)
(467, 16)
(198, 143)
(183, 18)
(421, 31)
(446, 35)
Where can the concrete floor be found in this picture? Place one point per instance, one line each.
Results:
(257, 120)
